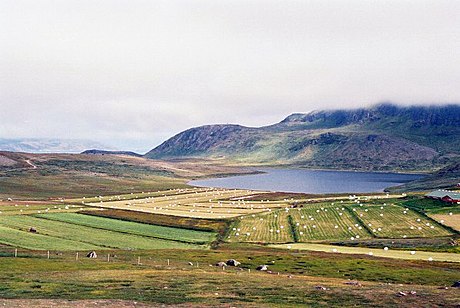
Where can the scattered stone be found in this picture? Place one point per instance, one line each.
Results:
(401, 293)
(92, 255)
(190, 263)
(233, 262)
(262, 267)
(320, 288)
(221, 264)
(353, 283)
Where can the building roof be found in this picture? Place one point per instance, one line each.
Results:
(443, 193)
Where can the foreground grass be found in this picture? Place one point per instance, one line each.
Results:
(180, 283)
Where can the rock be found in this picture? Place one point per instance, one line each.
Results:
(92, 255)
(353, 283)
(262, 267)
(401, 293)
(320, 288)
(190, 263)
(456, 284)
(221, 264)
(233, 262)
(33, 230)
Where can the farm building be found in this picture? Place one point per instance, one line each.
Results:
(444, 195)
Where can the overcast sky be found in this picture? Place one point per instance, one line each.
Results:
(133, 73)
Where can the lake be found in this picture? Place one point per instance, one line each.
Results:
(311, 181)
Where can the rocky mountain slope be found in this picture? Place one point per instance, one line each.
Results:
(384, 137)
(44, 145)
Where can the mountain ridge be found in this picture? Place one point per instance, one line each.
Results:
(382, 137)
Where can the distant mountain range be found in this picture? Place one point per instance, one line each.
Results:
(43, 145)
(383, 137)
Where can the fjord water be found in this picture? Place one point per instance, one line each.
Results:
(311, 181)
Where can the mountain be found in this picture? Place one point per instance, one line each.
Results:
(446, 178)
(383, 137)
(104, 152)
(42, 145)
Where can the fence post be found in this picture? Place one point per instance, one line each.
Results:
(168, 262)
(76, 257)
(48, 254)
(108, 257)
(15, 252)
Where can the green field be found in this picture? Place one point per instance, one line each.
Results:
(54, 234)
(176, 234)
(335, 222)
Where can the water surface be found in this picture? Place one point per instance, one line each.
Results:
(311, 181)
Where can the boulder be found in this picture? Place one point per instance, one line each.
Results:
(233, 262)
(92, 255)
(262, 267)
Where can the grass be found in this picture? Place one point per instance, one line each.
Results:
(82, 234)
(452, 221)
(19, 238)
(270, 227)
(395, 254)
(392, 221)
(183, 284)
(164, 220)
(167, 233)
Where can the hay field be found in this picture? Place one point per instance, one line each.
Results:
(197, 202)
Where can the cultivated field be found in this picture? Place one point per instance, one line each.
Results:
(451, 220)
(334, 222)
(76, 231)
(198, 202)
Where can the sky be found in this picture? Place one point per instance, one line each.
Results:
(132, 73)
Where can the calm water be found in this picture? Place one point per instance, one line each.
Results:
(311, 181)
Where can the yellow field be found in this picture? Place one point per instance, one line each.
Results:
(196, 202)
(452, 221)
(397, 254)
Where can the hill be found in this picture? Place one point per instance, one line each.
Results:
(104, 152)
(383, 137)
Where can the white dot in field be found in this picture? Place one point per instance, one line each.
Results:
(282, 227)
(412, 252)
(442, 220)
(371, 253)
(432, 227)
(289, 247)
(334, 250)
(349, 228)
(277, 231)
(314, 226)
(357, 236)
(340, 214)
(381, 214)
(404, 236)
(430, 259)
(381, 207)
(418, 219)
(385, 248)
(336, 227)
(450, 214)
(271, 230)
(352, 238)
